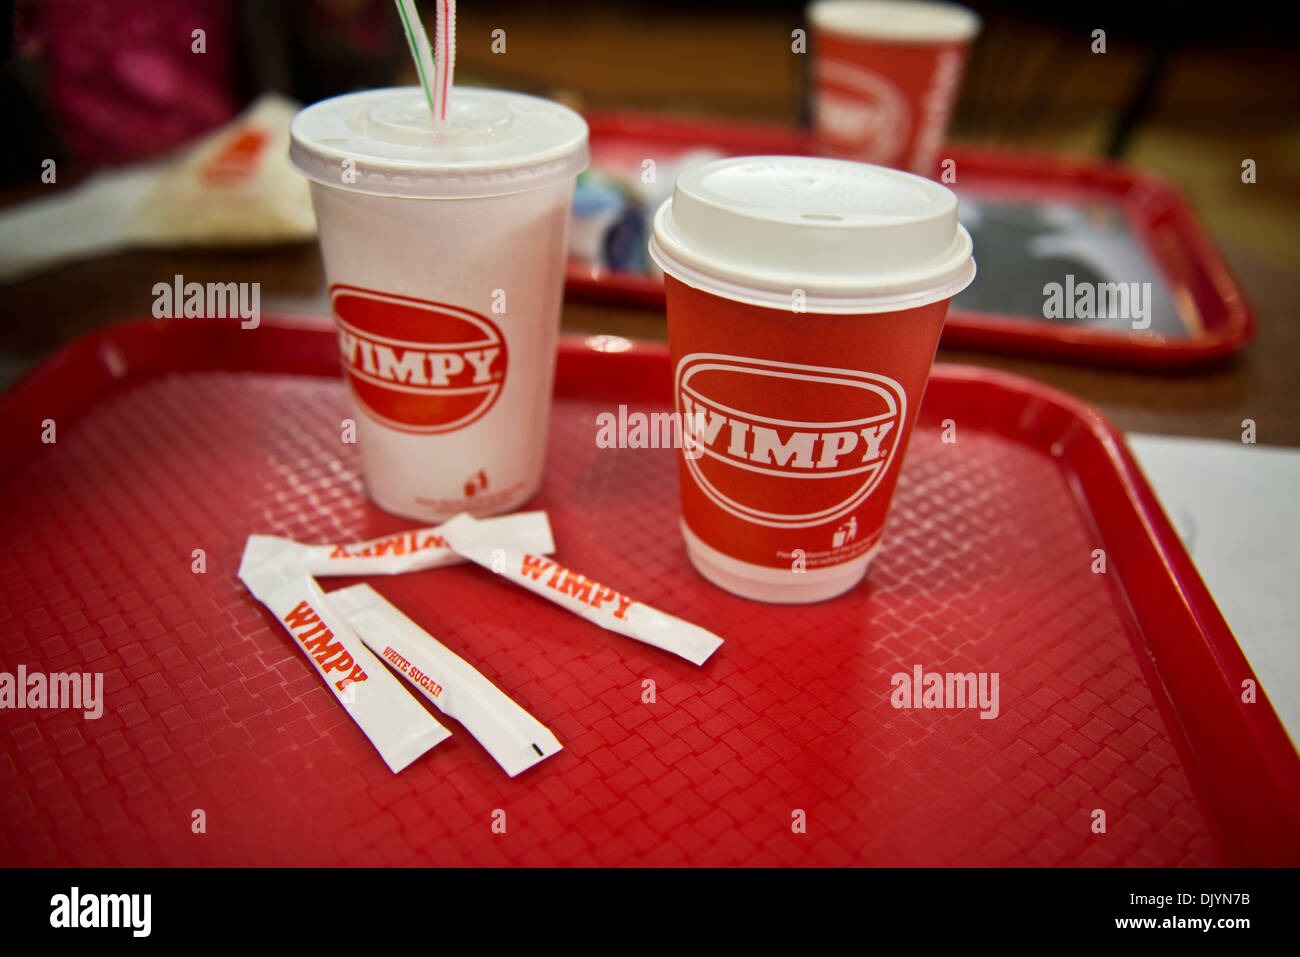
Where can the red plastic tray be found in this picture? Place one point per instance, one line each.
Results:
(1118, 691)
(1158, 214)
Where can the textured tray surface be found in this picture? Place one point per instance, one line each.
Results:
(209, 705)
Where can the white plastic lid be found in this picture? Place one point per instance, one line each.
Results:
(898, 20)
(496, 142)
(854, 238)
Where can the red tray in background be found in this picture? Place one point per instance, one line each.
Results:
(1159, 216)
(1118, 691)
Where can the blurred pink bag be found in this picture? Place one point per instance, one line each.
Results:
(126, 80)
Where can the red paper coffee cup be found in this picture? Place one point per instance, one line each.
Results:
(805, 301)
(886, 77)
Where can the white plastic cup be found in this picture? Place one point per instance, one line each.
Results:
(805, 301)
(444, 252)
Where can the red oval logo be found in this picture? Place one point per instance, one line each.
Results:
(418, 366)
(782, 444)
(860, 111)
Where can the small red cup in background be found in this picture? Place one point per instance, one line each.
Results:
(805, 300)
(886, 75)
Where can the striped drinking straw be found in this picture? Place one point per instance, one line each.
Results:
(435, 64)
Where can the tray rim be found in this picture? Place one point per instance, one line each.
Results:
(966, 329)
(1243, 767)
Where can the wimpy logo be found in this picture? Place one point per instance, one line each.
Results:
(305, 625)
(432, 368)
(811, 448)
(102, 910)
(568, 582)
(404, 543)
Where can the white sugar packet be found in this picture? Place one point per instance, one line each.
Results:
(396, 724)
(510, 734)
(481, 543)
(410, 551)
